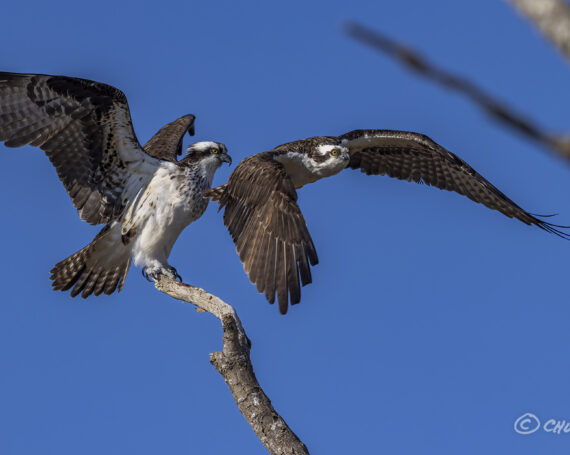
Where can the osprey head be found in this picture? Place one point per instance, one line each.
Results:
(208, 151)
(312, 159)
(328, 159)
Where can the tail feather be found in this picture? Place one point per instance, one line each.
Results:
(100, 267)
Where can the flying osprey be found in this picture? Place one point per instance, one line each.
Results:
(145, 197)
(268, 228)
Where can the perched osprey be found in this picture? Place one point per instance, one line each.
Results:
(268, 228)
(145, 197)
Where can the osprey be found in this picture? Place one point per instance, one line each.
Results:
(144, 196)
(268, 228)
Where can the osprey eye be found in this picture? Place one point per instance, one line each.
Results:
(215, 151)
(334, 152)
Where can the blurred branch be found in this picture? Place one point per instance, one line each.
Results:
(552, 17)
(494, 108)
(234, 364)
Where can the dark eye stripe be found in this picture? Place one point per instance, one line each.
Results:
(320, 158)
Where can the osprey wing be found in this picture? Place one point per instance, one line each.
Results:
(415, 157)
(86, 131)
(268, 228)
(166, 144)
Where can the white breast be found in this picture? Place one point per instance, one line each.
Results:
(171, 201)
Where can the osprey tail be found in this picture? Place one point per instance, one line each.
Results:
(101, 266)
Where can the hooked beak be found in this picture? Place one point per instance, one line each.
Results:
(226, 158)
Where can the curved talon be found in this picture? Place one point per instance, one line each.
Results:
(155, 274)
(177, 276)
(145, 274)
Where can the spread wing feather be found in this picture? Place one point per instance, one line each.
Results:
(415, 157)
(268, 228)
(166, 144)
(86, 131)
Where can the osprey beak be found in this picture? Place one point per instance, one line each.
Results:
(226, 158)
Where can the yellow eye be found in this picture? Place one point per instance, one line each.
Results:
(334, 152)
(215, 151)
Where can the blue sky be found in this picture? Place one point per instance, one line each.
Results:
(432, 323)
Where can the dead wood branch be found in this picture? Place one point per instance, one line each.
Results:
(494, 108)
(552, 17)
(234, 364)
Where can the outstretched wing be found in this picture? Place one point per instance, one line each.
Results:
(166, 144)
(268, 228)
(415, 157)
(86, 131)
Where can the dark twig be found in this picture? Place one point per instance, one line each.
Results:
(234, 364)
(418, 64)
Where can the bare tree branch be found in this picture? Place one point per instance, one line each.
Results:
(552, 17)
(234, 364)
(494, 108)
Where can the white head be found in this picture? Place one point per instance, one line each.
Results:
(215, 152)
(309, 160)
(206, 157)
(328, 159)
